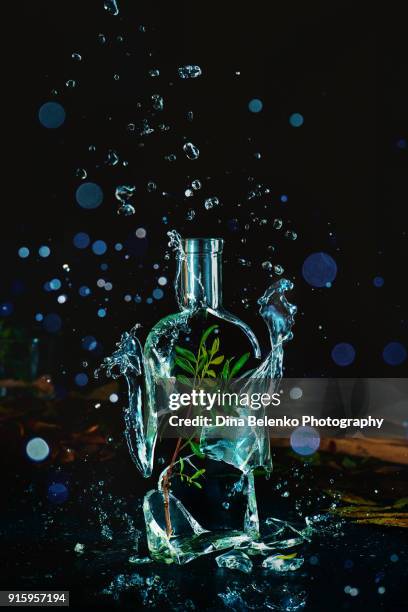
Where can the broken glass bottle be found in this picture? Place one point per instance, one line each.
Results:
(205, 499)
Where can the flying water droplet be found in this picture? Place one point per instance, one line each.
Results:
(81, 173)
(196, 184)
(191, 150)
(189, 71)
(102, 38)
(290, 234)
(112, 158)
(126, 210)
(154, 72)
(171, 157)
(124, 193)
(246, 263)
(151, 186)
(111, 6)
(211, 202)
(278, 269)
(267, 265)
(70, 84)
(277, 224)
(158, 102)
(146, 129)
(190, 214)
(77, 57)
(189, 193)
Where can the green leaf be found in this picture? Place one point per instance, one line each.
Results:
(207, 332)
(217, 360)
(197, 474)
(184, 380)
(215, 346)
(211, 373)
(184, 365)
(196, 449)
(181, 460)
(197, 484)
(239, 364)
(291, 556)
(226, 368)
(186, 353)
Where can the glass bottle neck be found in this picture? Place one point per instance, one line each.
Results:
(200, 278)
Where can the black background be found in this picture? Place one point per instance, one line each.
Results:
(343, 170)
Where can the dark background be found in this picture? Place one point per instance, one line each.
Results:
(344, 173)
(343, 170)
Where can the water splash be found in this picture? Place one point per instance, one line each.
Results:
(145, 368)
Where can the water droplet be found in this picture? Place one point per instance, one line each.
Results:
(189, 71)
(77, 57)
(70, 83)
(81, 173)
(126, 210)
(112, 158)
(146, 129)
(116, 77)
(102, 38)
(196, 184)
(267, 265)
(190, 214)
(171, 157)
(111, 6)
(191, 150)
(290, 234)
(246, 263)
(190, 116)
(277, 224)
(189, 193)
(151, 186)
(211, 202)
(157, 102)
(278, 269)
(124, 193)
(154, 72)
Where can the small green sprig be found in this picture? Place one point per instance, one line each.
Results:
(203, 365)
(190, 480)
